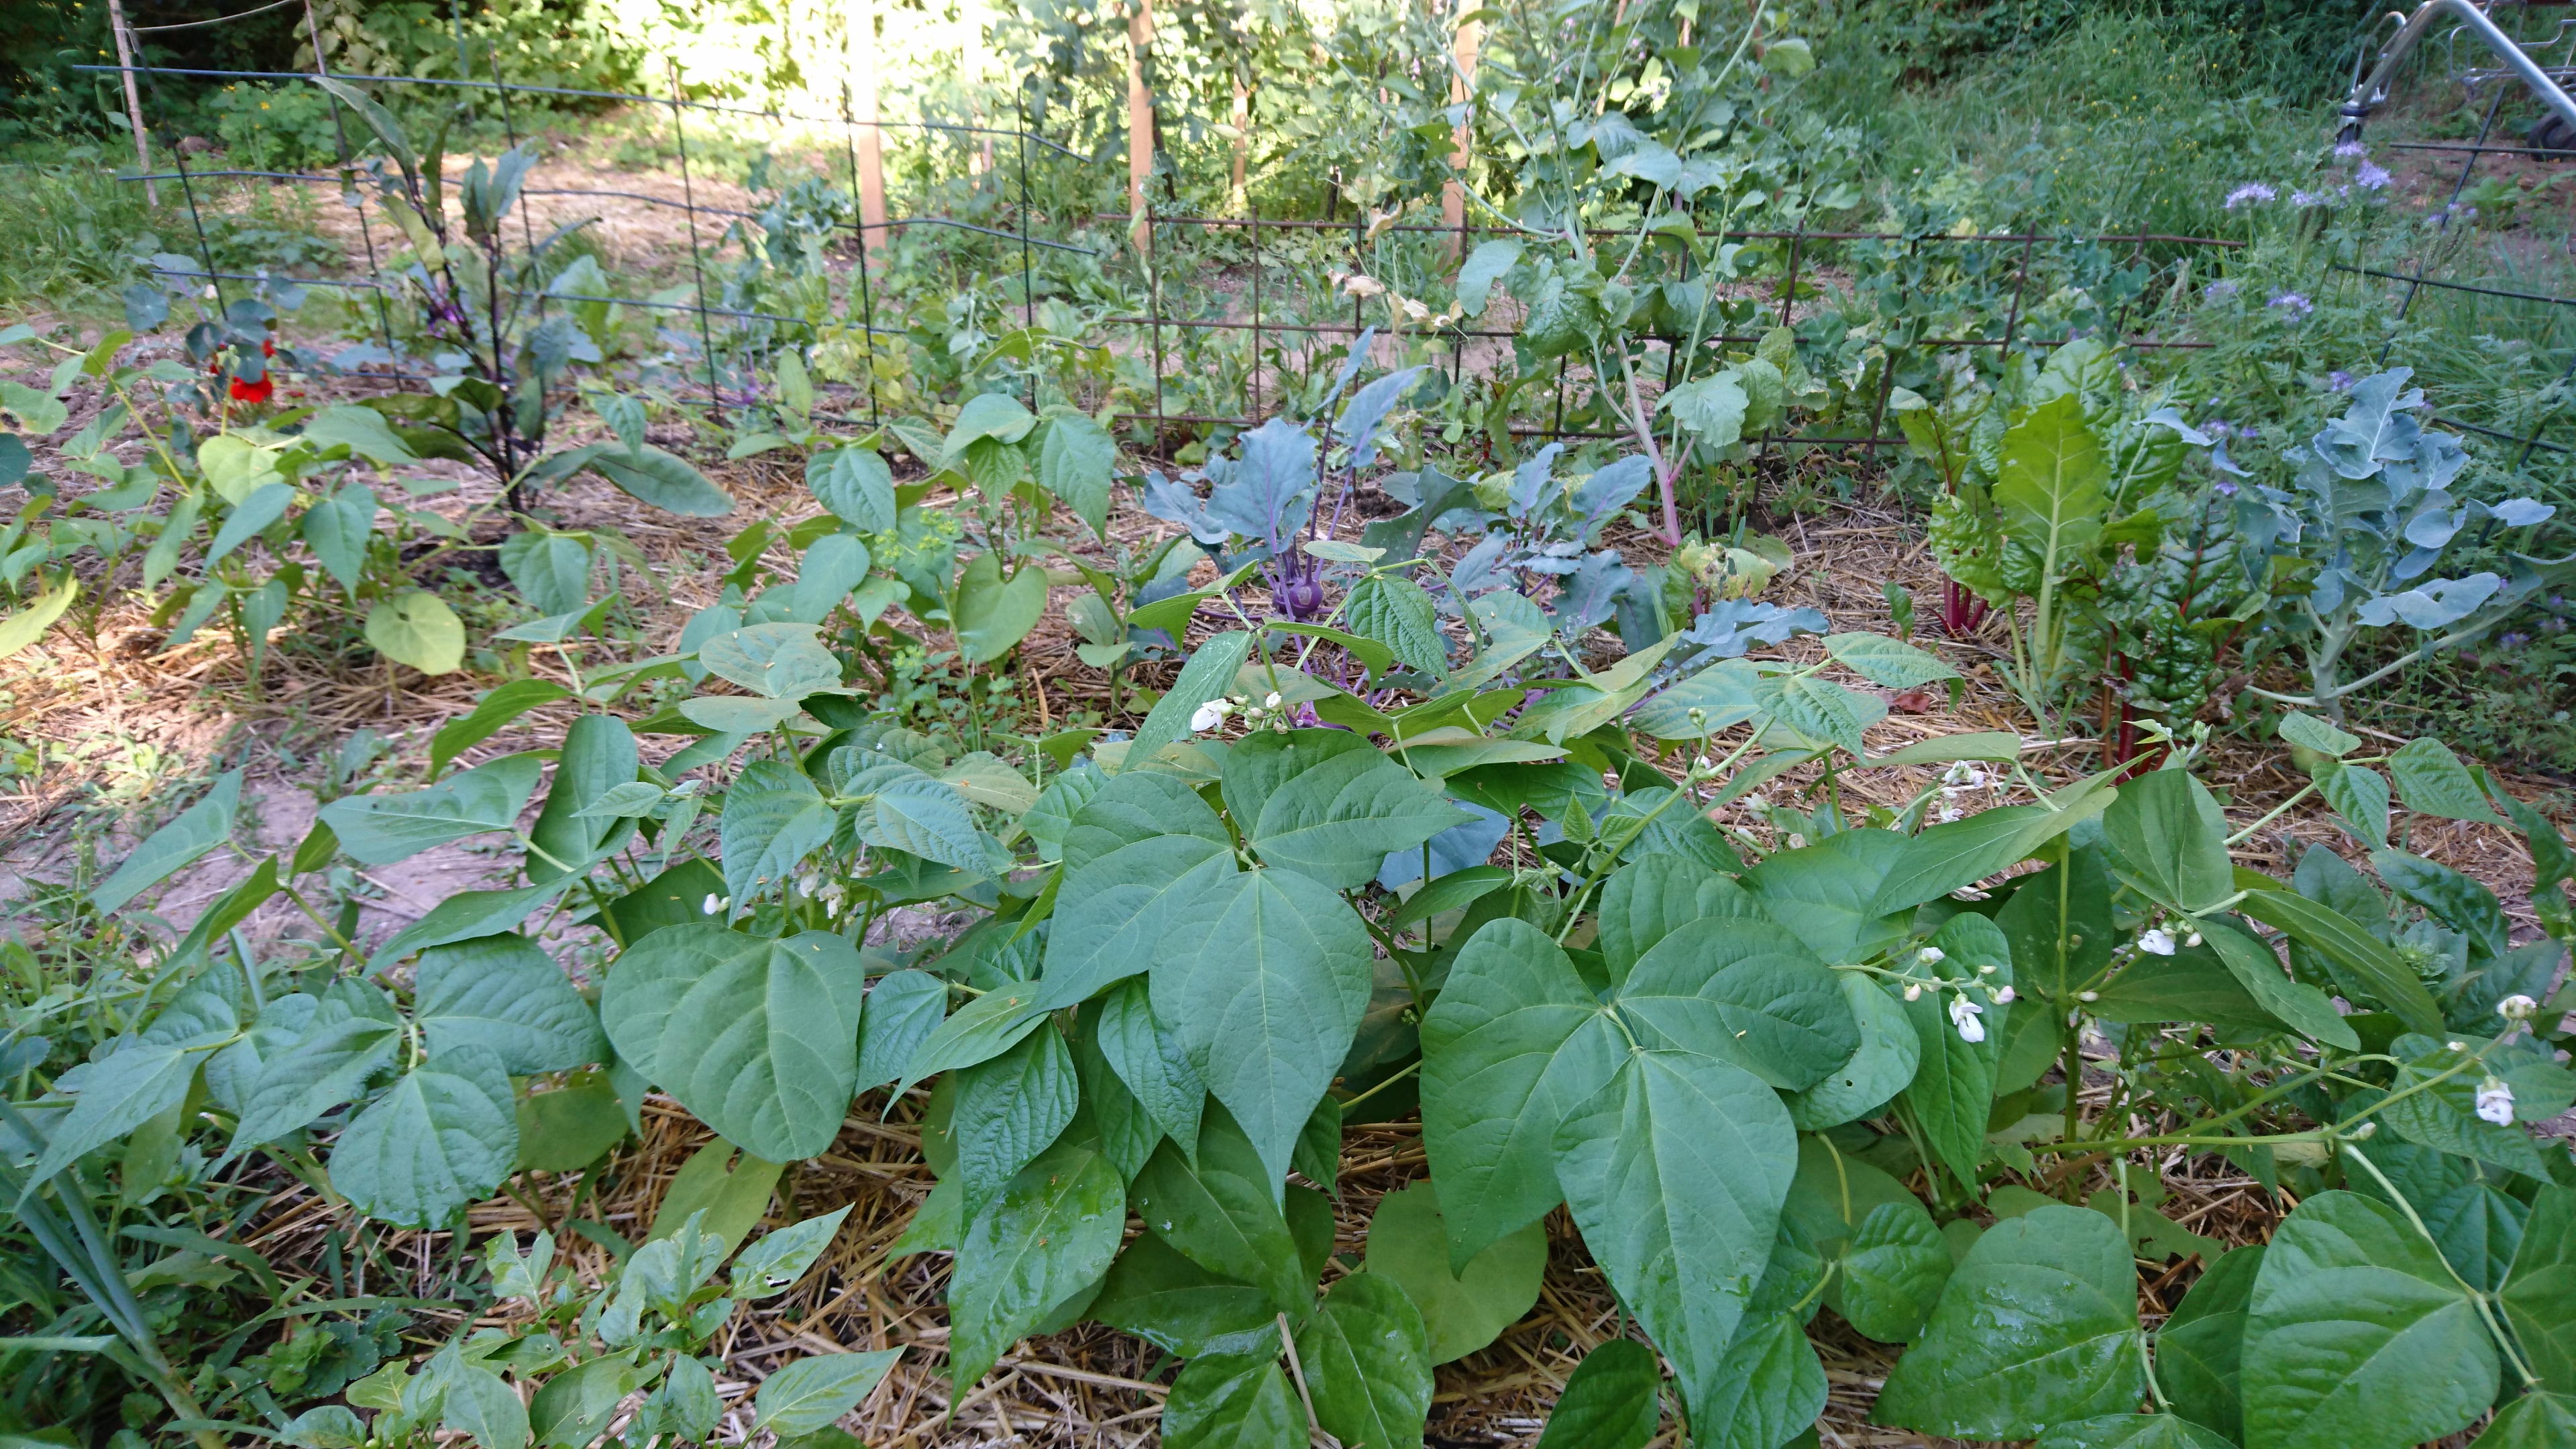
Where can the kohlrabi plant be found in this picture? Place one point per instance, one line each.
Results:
(2369, 512)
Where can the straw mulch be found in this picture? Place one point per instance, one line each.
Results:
(1090, 1386)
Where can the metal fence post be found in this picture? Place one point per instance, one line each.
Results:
(689, 196)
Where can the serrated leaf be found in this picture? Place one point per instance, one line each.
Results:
(1675, 1172)
(757, 1037)
(1366, 1364)
(1263, 978)
(417, 628)
(382, 829)
(505, 994)
(1051, 1233)
(2357, 1335)
(441, 1138)
(813, 1393)
(193, 832)
(2037, 1326)
(1408, 1244)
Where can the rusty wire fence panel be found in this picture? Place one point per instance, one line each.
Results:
(1280, 330)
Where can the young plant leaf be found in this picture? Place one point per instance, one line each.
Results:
(1263, 978)
(442, 1137)
(417, 628)
(1366, 1363)
(813, 1393)
(1051, 1233)
(1408, 1244)
(2358, 1336)
(505, 703)
(1514, 1042)
(757, 1037)
(382, 829)
(1675, 1173)
(1233, 1401)
(1009, 1109)
(2038, 1326)
(1612, 1400)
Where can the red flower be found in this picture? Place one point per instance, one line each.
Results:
(253, 392)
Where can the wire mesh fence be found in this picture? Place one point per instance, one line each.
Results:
(1231, 310)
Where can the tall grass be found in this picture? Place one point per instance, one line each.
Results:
(68, 229)
(2121, 122)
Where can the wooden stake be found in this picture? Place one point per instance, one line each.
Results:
(1453, 194)
(133, 101)
(861, 39)
(1238, 198)
(1140, 119)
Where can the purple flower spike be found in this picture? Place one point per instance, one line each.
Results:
(2370, 176)
(2346, 150)
(2248, 194)
(2292, 303)
(2339, 380)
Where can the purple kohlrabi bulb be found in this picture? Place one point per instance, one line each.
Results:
(1302, 597)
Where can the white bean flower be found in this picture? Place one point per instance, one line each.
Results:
(2156, 942)
(1963, 1015)
(1208, 716)
(2003, 995)
(714, 903)
(2495, 1101)
(2517, 1007)
(1272, 702)
(1931, 956)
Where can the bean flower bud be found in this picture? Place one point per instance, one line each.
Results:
(2517, 1007)
(2495, 1101)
